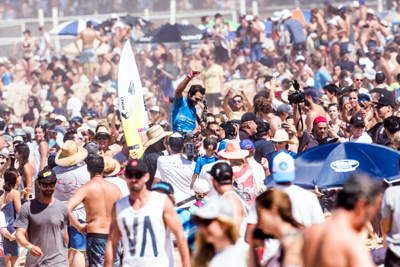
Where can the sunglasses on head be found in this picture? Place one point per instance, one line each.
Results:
(353, 90)
(45, 185)
(137, 175)
(332, 105)
(237, 101)
(99, 137)
(203, 222)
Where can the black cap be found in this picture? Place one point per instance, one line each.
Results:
(380, 77)
(385, 101)
(47, 175)
(343, 52)
(222, 172)
(357, 120)
(27, 31)
(263, 128)
(249, 116)
(176, 142)
(137, 165)
(165, 187)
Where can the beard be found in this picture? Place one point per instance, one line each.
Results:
(306, 102)
(47, 194)
(191, 101)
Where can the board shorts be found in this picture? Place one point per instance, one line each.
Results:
(88, 54)
(96, 248)
(244, 56)
(77, 241)
(11, 248)
(213, 100)
(221, 55)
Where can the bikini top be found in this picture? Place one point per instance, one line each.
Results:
(27, 45)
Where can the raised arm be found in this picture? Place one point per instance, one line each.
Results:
(182, 86)
(226, 106)
(297, 123)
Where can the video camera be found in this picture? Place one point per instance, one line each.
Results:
(205, 112)
(298, 96)
(190, 147)
(230, 130)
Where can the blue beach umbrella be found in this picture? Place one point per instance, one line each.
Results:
(329, 166)
(72, 27)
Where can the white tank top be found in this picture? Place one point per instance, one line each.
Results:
(143, 232)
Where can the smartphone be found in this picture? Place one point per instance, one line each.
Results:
(331, 123)
(281, 125)
(348, 127)
(237, 88)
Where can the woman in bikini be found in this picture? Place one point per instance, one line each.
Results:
(346, 26)
(334, 29)
(27, 47)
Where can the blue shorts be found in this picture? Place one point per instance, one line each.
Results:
(88, 54)
(256, 52)
(96, 248)
(77, 241)
(11, 248)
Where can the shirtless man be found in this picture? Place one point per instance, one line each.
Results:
(205, 48)
(396, 71)
(337, 242)
(88, 53)
(336, 28)
(369, 29)
(315, 110)
(98, 197)
(384, 66)
(104, 69)
(238, 105)
(220, 29)
(114, 63)
(94, 96)
(322, 28)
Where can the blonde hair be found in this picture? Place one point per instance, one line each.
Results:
(237, 162)
(396, 141)
(204, 252)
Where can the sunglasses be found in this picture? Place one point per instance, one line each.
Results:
(279, 143)
(362, 100)
(332, 105)
(359, 80)
(203, 222)
(237, 101)
(137, 175)
(45, 185)
(99, 137)
(359, 126)
(7, 113)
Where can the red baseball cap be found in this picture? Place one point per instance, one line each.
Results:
(319, 119)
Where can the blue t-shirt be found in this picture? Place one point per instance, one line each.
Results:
(295, 28)
(183, 116)
(203, 161)
(166, 86)
(321, 78)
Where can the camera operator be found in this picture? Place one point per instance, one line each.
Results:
(249, 125)
(184, 112)
(261, 142)
(311, 101)
(163, 79)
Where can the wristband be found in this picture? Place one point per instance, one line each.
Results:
(29, 248)
(190, 76)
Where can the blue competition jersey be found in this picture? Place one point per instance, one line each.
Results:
(183, 116)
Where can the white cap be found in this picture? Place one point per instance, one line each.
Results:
(201, 186)
(370, 11)
(362, 62)
(283, 169)
(249, 17)
(310, 82)
(355, 4)
(114, 16)
(4, 152)
(300, 58)
(184, 22)
(18, 138)
(266, 45)
(155, 109)
(61, 118)
(370, 74)
(285, 14)
(216, 207)
(276, 16)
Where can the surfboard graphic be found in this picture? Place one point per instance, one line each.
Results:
(131, 102)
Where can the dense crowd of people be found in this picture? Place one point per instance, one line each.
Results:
(216, 184)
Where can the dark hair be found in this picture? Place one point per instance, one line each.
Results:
(398, 77)
(95, 164)
(380, 77)
(203, 18)
(360, 53)
(36, 104)
(332, 89)
(196, 88)
(263, 105)
(10, 179)
(28, 117)
(237, 96)
(392, 124)
(88, 24)
(337, 65)
(279, 199)
(398, 59)
(218, 15)
(69, 135)
(164, 57)
(24, 150)
(357, 187)
(210, 115)
(207, 132)
(2, 125)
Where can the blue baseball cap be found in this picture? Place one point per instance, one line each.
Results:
(283, 169)
(222, 145)
(312, 92)
(247, 145)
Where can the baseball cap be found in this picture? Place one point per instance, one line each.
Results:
(222, 145)
(300, 58)
(59, 129)
(385, 101)
(356, 120)
(114, 16)
(355, 4)
(222, 172)
(92, 148)
(249, 116)
(313, 93)
(247, 145)
(155, 109)
(283, 169)
(319, 119)
(61, 118)
(47, 175)
(165, 187)
(201, 186)
(91, 114)
(137, 165)
(18, 138)
(370, 10)
(364, 96)
(378, 50)
(176, 141)
(216, 207)
(210, 143)
(263, 128)
(284, 108)
(343, 52)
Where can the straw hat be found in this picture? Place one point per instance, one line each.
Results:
(111, 167)
(281, 136)
(235, 115)
(46, 110)
(288, 92)
(103, 129)
(70, 154)
(155, 134)
(233, 151)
